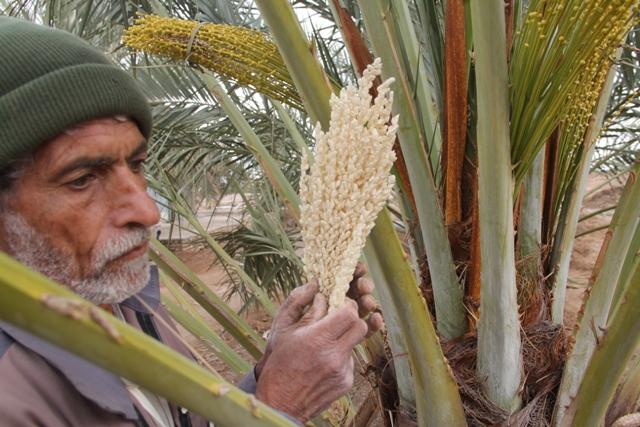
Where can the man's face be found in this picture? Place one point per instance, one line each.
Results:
(80, 212)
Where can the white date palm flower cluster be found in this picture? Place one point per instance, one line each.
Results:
(348, 184)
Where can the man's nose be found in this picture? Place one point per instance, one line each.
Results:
(134, 205)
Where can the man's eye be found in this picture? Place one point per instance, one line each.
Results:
(82, 182)
(138, 165)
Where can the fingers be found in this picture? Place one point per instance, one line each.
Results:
(360, 291)
(364, 286)
(293, 307)
(359, 287)
(317, 311)
(374, 324)
(360, 271)
(366, 304)
(354, 335)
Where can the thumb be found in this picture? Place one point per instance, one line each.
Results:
(317, 311)
(294, 306)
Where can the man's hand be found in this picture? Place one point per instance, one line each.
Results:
(308, 363)
(360, 290)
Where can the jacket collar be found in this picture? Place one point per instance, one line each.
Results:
(95, 383)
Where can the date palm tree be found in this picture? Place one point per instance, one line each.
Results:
(500, 105)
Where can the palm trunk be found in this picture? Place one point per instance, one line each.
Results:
(530, 225)
(605, 279)
(566, 231)
(499, 362)
(439, 403)
(447, 291)
(428, 113)
(608, 362)
(395, 333)
(531, 295)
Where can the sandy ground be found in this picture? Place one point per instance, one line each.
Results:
(586, 249)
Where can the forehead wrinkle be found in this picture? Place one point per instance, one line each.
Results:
(47, 156)
(64, 149)
(70, 145)
(58, 152)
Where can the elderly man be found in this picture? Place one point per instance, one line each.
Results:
(74, 206)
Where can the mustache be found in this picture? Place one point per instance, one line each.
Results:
(117, 246)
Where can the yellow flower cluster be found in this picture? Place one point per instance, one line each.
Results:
(586, 89)
(560, 60)
(615, 18)
(240, 54)
(348, 184)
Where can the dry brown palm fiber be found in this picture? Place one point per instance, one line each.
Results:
(472, 298)
(531, 294)
(544, 351)
(462, 359)
(536, 413)
(455, 109)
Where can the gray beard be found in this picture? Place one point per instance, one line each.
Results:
(102, 285)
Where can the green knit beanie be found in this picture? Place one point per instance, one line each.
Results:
(51, 80)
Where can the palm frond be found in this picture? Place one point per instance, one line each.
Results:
(266, 244)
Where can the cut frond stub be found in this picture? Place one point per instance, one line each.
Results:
(348, 184)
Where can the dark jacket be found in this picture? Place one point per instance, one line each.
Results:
(44, 385)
